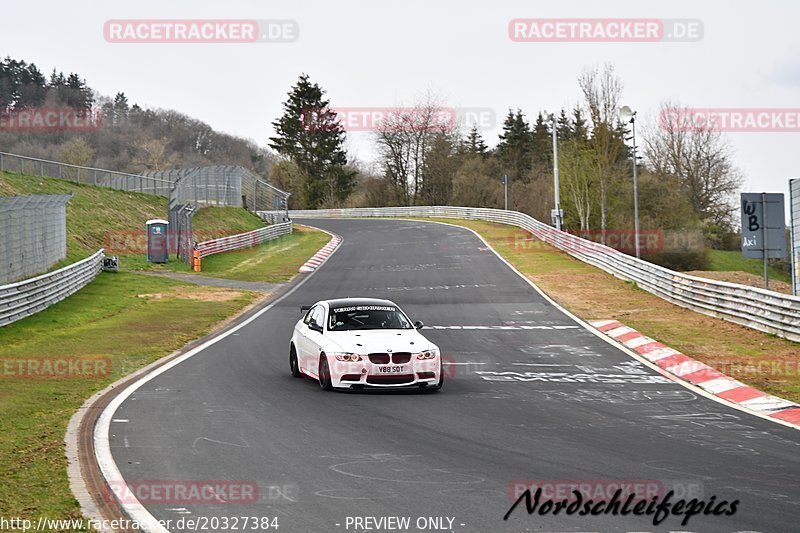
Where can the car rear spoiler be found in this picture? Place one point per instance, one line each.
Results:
(304, 308)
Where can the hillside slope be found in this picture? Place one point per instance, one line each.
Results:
(98, 216)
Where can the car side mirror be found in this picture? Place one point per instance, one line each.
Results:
(312, 324)
(418, 324)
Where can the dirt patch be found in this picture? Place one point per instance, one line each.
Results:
(744, 278)
(204, 294)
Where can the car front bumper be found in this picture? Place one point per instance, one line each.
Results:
(363, 374)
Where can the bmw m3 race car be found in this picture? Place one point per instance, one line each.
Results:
(356, 343)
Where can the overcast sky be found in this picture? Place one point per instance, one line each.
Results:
(389, 53)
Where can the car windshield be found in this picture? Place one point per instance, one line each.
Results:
(360, 317)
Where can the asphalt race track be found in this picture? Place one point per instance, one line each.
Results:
(540, 401)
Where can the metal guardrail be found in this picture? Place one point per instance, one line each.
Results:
(92, 176)
(242, 240)
(759, 309)
(24, 298)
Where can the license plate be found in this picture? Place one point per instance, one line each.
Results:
(390, 369)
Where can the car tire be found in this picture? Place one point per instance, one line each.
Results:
(293, 363)
(324, 373)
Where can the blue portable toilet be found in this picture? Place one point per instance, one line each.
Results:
(157, 240)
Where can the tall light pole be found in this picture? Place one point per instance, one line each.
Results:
(557, 211)
(628, 116)
(505, 190)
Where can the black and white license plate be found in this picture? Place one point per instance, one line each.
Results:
(390, 369)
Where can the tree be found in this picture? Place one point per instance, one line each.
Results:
(404, 140)
(474, 143)
(602, 92)
(699, 160)
(309, 134)
(576, 166)
(476, 185)
(542, 141)
(287, 176)
(441, 165)
(154, 155)
(515, 147)
(120, 109)
(21, 84)
(76, 152)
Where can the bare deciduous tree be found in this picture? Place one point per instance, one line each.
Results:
(154, 154)
(404, 140)
(697, 155)
(576, 163)
(602, 91)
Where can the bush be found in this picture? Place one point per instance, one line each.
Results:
(681, 261)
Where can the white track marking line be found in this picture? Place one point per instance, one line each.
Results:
(599, 334)
(105, 460)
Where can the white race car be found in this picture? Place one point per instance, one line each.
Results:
(355, 343)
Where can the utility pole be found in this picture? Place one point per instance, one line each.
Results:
(628, 116)
(557, 210)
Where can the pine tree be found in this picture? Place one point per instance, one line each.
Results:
(516, 146)
(542, 142)
(474, 143)
(120, 109)
(309, 135)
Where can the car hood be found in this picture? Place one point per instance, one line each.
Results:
(380, 341)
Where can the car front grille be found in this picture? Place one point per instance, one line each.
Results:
(401, 358)
(379, 358)
(395, 379)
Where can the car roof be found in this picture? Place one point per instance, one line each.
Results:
(339, 302)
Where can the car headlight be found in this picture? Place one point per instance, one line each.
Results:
(428, 354)
(346, 356)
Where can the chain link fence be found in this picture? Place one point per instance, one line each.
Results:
(34, 234)
(214, 185)
(93, 176)
(188, 189)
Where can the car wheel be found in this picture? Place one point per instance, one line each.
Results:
(293, 364)
(324, 373)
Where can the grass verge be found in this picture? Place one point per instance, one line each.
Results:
(274, 261)
(732, 261)
(125, 320)
(758, 359)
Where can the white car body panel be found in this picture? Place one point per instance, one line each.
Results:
(394, 361)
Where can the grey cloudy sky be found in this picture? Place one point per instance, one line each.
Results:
(389, 53)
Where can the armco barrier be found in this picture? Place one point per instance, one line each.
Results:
(24, 298)
(242, 240)
(760, 309)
